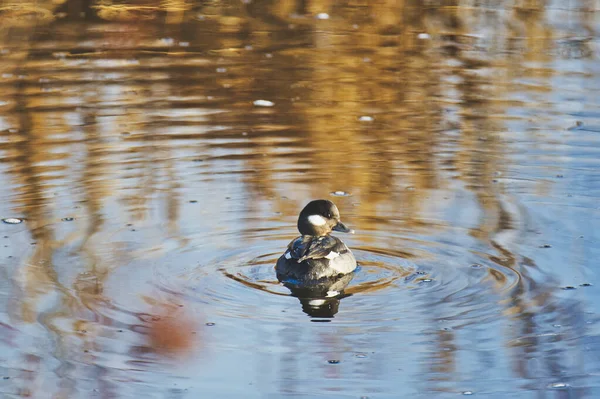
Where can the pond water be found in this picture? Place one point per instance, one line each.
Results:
(154, 157)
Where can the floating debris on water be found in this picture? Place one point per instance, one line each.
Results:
(366, 118)
(569, 287)
(558, 385)
(263, 103)
(67, 219)
(167, 41)
(546, 246)
(12, 220)
(193, 201)
(340, 193)
(585, 285)
(209, 324)
(333, 361)
(322, 15)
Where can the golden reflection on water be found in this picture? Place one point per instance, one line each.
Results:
(119, 113)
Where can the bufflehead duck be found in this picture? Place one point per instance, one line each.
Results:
(316, 254)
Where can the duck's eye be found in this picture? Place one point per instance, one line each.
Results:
(328, 215)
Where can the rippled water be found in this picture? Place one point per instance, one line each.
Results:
(154, 157)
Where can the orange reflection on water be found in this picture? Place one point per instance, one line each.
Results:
(171, 331)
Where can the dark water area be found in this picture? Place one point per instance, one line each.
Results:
(154, 157)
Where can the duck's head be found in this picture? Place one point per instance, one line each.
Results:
(319, 218)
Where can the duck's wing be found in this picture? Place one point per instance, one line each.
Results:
(298, 247)
(306, 247)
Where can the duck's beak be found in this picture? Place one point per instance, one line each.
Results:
(342, 228)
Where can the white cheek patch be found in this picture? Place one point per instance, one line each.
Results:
(317, 220)
(332, 255)
(288, 255)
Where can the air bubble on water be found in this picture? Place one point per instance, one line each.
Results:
(263, 103)
(322, 15)
(209, 324)
(476, 266)
(361, 355)
(366, 118)
(333, 361)
(467, 393)
(12, 220)
(558, 385)
(427, 280)
(340, 193)
(167, 41)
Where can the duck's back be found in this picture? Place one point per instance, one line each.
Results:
(312, 258)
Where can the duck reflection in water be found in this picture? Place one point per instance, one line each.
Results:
(316, 266)
(322, 298)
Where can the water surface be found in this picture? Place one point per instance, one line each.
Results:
(155, 156)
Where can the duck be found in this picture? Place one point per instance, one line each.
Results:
(316, 255)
